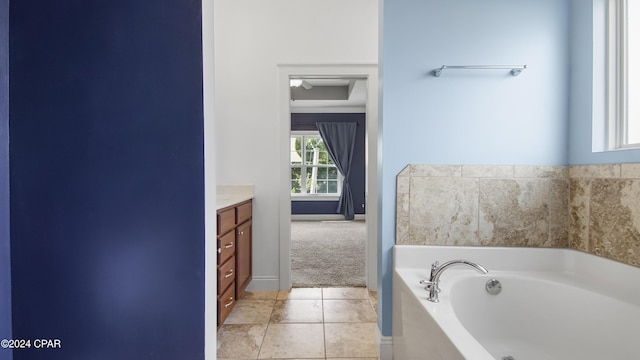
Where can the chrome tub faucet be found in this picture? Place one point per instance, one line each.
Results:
(437, 270)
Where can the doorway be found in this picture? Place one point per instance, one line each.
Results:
(353, 76)
(326, 249)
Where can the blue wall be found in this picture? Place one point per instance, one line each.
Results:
(5, 257)
(307, 121)
(467, 116)
(107, 193)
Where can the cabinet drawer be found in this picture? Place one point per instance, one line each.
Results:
(226, 247)
(226, 274)
(226, 302)
(243, 212)
(226, 220)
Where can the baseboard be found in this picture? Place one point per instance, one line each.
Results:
(264, 283)
(324, 217)
(385, 345)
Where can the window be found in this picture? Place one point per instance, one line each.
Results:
(623, 74)
(313, 173)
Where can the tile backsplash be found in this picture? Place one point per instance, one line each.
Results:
(593, 208)
(604, 210)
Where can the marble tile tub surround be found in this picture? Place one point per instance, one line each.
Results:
(593, 208)
(605, 211)
(476, 205)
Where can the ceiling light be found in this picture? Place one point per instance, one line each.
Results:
(295, 82)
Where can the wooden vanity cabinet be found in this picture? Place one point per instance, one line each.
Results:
(243, 257)
(234, 255)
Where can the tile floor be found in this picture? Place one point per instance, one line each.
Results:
(304, 323)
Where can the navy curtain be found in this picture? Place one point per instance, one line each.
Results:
(339, 139)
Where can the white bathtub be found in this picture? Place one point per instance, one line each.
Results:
(554, 304)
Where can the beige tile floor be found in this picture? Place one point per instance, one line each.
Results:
(304, 323)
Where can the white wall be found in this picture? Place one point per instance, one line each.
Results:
(211, 247)
(252, 38)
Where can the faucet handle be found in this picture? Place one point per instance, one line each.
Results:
(430, 286)
(434, 268)
(427, 284)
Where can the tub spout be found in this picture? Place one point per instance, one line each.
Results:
(437, 270)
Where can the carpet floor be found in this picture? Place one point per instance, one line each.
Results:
(328, 253)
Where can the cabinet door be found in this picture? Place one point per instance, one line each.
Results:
(243, 257)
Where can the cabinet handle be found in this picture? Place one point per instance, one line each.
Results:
(229, 303)
(228, 274)
(229, 245)
(240, 232)
(219, 251)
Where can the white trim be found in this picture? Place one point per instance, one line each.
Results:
(599, 140)
(384, 345)
(264, 283)
(210, 230)
(314, 197)
(324, 217)
(617, 76)
(329, 110)
(372, 158)
(306, 133)
(612, 74)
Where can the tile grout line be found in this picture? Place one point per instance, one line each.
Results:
(267, 327)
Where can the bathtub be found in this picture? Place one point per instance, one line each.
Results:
(554, 304)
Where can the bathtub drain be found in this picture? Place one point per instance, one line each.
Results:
(508, 358)
(494, 287)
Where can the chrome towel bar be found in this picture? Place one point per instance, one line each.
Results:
(515, 69)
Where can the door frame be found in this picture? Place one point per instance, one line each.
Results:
(372, 159)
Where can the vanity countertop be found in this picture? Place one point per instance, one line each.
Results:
(227, 195)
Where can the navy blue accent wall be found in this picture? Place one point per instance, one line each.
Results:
(304, 121)
(107, 189)
(5, 256)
